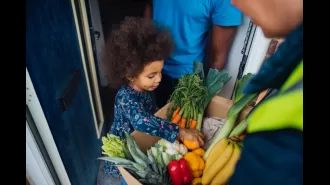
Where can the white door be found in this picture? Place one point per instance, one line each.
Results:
(257, 53)
(246, 55)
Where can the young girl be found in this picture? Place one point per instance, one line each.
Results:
(134, 57)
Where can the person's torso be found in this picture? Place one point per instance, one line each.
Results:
(188, 22)
(122, 113)
(273, 147)
(283, 109)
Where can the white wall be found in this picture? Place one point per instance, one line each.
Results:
(235, 58)
(257, 53)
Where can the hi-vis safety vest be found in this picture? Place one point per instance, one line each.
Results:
(283, 110)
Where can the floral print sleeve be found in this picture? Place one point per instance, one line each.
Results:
(142, 120)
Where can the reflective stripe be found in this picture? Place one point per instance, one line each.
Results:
(284, 110)
(296, 76)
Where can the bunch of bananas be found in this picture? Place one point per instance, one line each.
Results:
(220, 164)
(112, 146)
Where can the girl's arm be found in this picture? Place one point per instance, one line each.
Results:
(146, 122)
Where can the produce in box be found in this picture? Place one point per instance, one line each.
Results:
(173, 148)
(165, 151)
(148, 169)
(196, 181)
(192, 95)
(179, 172)
(238, 94)
(232, 116)
(220, 165)
(240, 85)
(196, 163)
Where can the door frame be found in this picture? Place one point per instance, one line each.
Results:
(97, 36)
(86, 49)
(41, 123)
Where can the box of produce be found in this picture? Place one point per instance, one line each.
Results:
(144, 159)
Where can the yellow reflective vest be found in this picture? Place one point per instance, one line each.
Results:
(283, 110)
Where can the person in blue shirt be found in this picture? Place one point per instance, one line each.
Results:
(194, 25)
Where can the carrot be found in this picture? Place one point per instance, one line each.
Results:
(183, 123)
(178, 116)
(176, 111)
(189, 123)
(176, 119)
(188, 116)
(193, 124)
(184, 116)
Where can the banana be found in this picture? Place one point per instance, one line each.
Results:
(227, 171)
(218, 147)
(217, 150)
(220, 162)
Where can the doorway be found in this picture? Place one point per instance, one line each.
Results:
(102, 16)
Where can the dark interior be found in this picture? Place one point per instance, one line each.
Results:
(112, 13)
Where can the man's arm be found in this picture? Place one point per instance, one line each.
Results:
(222, 38)
(225, 18)
(148, 10)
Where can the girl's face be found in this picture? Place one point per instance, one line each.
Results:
(150, 77)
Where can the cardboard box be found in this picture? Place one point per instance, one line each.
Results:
(218, 107)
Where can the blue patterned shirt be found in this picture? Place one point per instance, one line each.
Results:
(134, 111)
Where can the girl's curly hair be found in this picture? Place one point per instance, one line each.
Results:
(134, 44)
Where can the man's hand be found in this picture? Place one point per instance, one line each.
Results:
(222, 38)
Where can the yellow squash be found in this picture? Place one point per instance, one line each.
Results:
(199, 151)
(196, 163)
(191, 145)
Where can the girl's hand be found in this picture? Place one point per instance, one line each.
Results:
(191, 134)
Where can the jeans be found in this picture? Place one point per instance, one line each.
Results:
(123, 182)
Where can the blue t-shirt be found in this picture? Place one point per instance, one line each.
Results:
(189, 22)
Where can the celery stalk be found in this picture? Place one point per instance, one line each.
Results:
(239, 129)
(232, 116)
